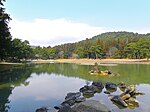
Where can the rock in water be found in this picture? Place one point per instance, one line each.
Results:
(106, 92)
(71, 96)
(66, 109)
(81, 99)
(42, 109)
(110, 85)
(90, 106)
(117, 99)
(126, 96)
(99, 84)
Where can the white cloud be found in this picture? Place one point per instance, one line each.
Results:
(47, 32)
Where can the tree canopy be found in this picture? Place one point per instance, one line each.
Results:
(5, 36)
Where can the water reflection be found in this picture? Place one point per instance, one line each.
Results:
(43, 88)
(25, 88)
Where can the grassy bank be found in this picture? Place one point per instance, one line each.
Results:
(93, 61)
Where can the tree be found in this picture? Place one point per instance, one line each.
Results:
(5, 36)
(113, 52)
(96, 51)
(20, 50)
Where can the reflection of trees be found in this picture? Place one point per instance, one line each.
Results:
(4, 95)
(12, 77)
(130, 74)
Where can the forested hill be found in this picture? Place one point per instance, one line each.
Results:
(114, 35)
(107, 45)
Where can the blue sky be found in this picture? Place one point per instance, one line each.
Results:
(94, 16)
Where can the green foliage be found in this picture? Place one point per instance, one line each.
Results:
(109, 45)
(140, 49)
(44, 53)
(5, 36)
(20, 50)
(96, 52)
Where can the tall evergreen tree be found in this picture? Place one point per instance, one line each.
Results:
(5, 36)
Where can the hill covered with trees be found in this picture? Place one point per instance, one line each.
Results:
(106, 45)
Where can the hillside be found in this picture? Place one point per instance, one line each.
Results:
(106, 45)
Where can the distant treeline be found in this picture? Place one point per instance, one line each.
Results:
(106, 45)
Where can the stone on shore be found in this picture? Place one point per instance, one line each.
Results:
(90, 106)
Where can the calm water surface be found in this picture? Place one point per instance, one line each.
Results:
(28, 87)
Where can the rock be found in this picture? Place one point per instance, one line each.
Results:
(108, 72)
(132, 102)
(66, 109)
(110, 85)
(93, 88)
(88, 94)
(68, 102)
(78, 100)
(42, 109)
(99, 84)
(122, 86)
(139, 93)
(106, 92)
(72, 96)
(130, 89)
(61, 105)
(83, 89)
(126, 96)
(117, 99)
(89, 91)
(90, 106)
(58, 107)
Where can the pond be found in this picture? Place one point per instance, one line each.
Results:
(24, 88)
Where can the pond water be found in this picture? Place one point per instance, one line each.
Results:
(24, 88)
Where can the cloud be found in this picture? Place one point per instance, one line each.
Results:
(45, 32)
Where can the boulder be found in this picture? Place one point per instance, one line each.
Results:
(93, 88)
(42, 109)
(90, 106)
(110, 86)
(132, 103)
(66, 109)
(46, 109)
(106, 92)
(72, 96)
(83, 89)
(99, 85)
(81, 99)
(70, 100)
(122, 86)
(117, 99)
(88, 94)
(125, 96)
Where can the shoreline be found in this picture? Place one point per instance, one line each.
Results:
(102, 62)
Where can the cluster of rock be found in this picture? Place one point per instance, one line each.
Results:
(96, 71)
(128, 97)
(70, 100)
(76, 102)
(103, 73)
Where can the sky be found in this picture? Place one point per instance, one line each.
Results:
(55, 22)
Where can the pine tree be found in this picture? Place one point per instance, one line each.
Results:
(5, 36)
